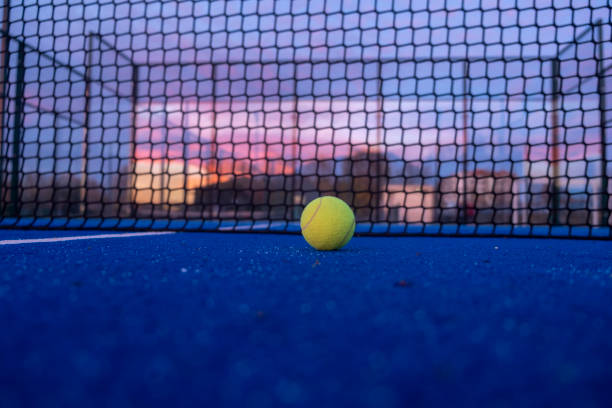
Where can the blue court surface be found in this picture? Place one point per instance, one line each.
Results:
(261, 320)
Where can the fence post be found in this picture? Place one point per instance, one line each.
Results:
(84, 147)
(3, 92)
(211, 168)
(132, 167)
(380, 151)
(296, 206)
(601, 90)
(554, 190)
(14, 208)
(462, 196)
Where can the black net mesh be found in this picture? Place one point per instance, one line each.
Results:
(440, 117)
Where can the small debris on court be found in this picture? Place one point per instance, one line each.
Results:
(403, 284)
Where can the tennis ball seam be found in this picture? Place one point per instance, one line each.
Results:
(348, 231)
(313, 215)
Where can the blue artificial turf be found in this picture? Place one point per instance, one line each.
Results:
(261, 320)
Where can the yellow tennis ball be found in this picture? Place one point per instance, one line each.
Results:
(327, 223)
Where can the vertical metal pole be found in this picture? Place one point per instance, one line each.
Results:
(186, 120)
(4, 64)
(525, 211)
(554, 216)
(165, 166)
(295, 152)
(17, 130)
(132, 166)
(212, 164)
(84, 147)
(462, 196)
(380, 151)
(601, 89)
(185, 127)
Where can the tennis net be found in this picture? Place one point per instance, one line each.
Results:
(440, 117)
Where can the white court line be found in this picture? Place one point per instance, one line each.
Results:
(60, 239)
